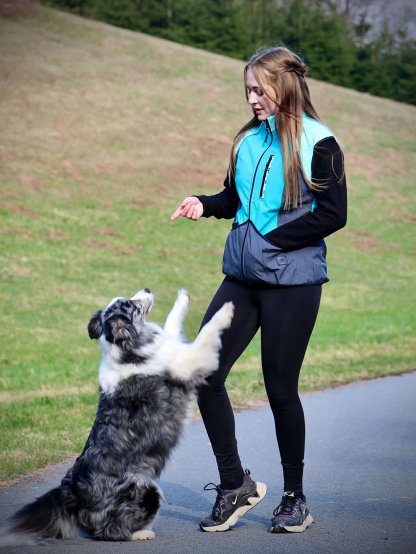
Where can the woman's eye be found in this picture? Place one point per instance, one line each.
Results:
(257, 92)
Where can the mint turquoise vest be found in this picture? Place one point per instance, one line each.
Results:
(248, 255)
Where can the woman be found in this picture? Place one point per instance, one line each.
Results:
(286, 191)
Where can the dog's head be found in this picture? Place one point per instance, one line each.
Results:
(122, 320)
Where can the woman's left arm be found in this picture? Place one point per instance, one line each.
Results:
(330, 213)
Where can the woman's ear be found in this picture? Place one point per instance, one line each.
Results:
(95, 327)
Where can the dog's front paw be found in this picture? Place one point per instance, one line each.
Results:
(182, 302)
(225, 315)
(183, 295)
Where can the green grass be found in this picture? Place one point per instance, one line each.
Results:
(103, 133)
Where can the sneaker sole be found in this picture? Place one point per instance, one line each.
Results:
(293, 528)
(232, 520)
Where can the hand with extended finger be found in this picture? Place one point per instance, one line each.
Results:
(190, 208)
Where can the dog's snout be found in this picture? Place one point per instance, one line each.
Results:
(144, 298)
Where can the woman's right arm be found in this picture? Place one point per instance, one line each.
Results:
(222, 205)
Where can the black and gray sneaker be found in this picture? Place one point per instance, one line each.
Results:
(291, 515)
(232, 504)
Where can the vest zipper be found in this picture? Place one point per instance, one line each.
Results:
(251, 196)
(265, 175)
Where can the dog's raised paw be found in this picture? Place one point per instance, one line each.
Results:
(225, 315)
(143, 535)
(183, 293)
(182, 301)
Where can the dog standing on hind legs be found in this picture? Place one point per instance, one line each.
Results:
(148, 377)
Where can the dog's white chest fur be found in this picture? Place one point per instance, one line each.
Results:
(111, 372)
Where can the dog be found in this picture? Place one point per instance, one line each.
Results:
(148, 378)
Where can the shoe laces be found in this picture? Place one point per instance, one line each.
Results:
(219, 502)
(288, 504)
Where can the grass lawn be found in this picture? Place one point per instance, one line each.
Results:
(103, 132)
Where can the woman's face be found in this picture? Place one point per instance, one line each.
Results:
(263, 104)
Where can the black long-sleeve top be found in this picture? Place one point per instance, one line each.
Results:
(329, 215)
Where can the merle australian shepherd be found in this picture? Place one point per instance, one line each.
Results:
(147, 379)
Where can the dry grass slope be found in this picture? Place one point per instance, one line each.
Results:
(103, 132)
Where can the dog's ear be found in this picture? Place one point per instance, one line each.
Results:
(95, 327)
(122, 333)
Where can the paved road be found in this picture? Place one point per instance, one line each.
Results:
(360, 477)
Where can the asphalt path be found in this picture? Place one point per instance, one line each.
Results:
(360, 481)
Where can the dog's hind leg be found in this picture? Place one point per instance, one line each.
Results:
(174, 323)
(143, 535)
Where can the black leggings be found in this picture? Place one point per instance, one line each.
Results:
(286, 316)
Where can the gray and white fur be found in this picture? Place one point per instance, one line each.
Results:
(148, 377)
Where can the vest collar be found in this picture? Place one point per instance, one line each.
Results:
(271, 120)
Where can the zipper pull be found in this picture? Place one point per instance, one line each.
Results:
(267, 133)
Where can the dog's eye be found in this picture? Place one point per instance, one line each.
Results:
(137, 308)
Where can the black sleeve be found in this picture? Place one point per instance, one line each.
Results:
(222, 205)
(330, 213)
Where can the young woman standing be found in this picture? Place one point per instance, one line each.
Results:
(286, 191)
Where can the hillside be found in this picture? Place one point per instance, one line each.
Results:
(102, 133)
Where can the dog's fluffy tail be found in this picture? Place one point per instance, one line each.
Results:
(51, 516)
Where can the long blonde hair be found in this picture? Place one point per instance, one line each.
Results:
(283, 71)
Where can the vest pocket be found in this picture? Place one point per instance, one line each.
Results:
(249, 257)
(231, 263)
(305, 266)
(282, 268)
